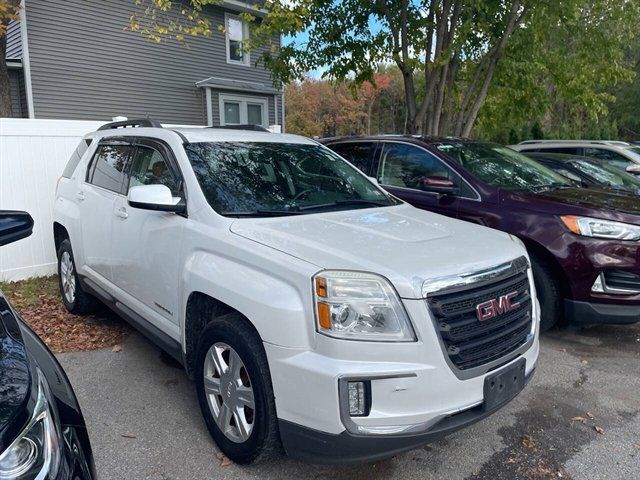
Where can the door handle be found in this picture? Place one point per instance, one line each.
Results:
(121, 212)
(80, 196)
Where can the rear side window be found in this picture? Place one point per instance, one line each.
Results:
(359, 154)
(76, 156)
(616, 159)
(108, 166)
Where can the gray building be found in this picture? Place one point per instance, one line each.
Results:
(75, 59)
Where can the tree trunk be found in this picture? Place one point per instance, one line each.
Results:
(5, 92)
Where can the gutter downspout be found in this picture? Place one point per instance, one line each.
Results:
(207, 96)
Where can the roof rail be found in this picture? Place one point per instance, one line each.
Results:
(583, 142)
(137, 122)
(247, 126)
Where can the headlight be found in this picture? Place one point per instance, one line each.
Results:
(34, 454)
(360, 306)
(595, 227)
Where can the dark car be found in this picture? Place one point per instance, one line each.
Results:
(589, 171)
(583, 243)
(42, 431)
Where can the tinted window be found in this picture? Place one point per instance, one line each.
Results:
(76, 156)
(359, 154)
(274, 178)
(502, 167)
(565, 150)
(403, 165)
(149, 167)
(107, 167)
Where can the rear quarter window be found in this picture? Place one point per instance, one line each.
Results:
(107, 169)
(76, 156)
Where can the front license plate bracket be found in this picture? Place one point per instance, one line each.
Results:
(504, 385)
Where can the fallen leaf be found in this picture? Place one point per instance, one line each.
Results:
(590, 415)
(584, 362)
(128, 435)
(598, 429)
(117, 348)
(224, 460)
(579, 419)
(529, 442)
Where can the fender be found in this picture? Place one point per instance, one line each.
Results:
(273, 297)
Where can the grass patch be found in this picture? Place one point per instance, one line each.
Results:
(26, 293)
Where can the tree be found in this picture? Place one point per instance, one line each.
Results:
(9, 10)
(371, 91)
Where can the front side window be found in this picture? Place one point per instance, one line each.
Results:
(359, 154)
(107, 168)
(263, 179)
(502, 167)
(237, 32)
(403, 165)
(149, 167)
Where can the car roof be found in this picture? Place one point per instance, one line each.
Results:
(396, 137)
(195, 135)
(575, 143)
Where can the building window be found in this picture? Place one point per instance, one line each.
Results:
(237, 109)
(237, 32)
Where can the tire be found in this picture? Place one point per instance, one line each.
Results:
(75, 299)
(224, 338)
(549, 294)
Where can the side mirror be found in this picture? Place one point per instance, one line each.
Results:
(634, 169)
(155, 197)
(438, 184)
(14, 226)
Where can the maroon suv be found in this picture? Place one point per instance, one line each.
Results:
(584, 244)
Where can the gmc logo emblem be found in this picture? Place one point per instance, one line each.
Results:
(496, 306)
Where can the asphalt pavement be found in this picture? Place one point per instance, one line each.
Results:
(579, 418)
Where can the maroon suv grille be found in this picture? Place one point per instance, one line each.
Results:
(470, 342)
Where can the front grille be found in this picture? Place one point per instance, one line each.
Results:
(470, 342)
(622, 280)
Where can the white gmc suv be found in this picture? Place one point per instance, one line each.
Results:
(313, 310)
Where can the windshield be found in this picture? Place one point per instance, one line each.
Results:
(608, 175)
(502, 167)
(262, 179)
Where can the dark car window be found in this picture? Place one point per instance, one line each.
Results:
(149, 167)
(359, 154)
(565, 150)
(107, 167)
(502, 167)
(266, 178)
(404, 165)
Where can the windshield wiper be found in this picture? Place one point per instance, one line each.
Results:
(262, 213)
(551, 186)
(354, 201)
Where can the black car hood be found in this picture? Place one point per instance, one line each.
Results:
(586, 199)
(15, 376)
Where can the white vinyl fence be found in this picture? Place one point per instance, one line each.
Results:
(33, 154)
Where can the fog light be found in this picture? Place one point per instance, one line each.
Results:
(358, 399)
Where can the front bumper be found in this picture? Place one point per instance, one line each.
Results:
(314, 446)
(584, 260)
(413, 390)
(586, 313)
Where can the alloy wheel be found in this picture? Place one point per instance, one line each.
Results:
(68, 277)
(229, 392)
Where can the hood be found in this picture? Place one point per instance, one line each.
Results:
(15, 377)
(584, 201)
(402, 243)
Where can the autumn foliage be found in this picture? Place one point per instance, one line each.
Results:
(319, 108)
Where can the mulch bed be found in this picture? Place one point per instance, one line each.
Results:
(38, 303)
